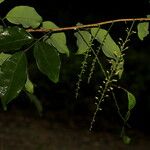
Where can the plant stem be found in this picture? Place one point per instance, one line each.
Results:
(128, 35)
(36, 41)
(96, 57)
(108, 81)
(88, 25)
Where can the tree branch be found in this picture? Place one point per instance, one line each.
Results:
(88, 25)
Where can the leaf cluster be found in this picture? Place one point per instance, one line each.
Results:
(15, 41)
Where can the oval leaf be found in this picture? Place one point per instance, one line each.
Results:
(126, 139)
(83, 39)
(24, 15)
(143, 30)
(131, 101)
(13, 75)
(58, 40)
(29, 87)
(109, 47)
(1, 1)
(13, 39)
(47, 60)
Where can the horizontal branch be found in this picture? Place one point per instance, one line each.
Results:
(87, 25)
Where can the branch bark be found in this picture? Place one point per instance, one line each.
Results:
(87, 25)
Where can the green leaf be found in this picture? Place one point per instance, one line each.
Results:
(3, 57)
(14, 38)
(58, 40)
(1, 1)
(126, 139)
(143, 30)
(131, 101)
(24, 15)
(36, 102)
(48, 61)
(83, 39)
(29, 87)
(13, 76)
(109, 47)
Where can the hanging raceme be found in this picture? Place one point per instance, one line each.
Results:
(95, 59)
(84, 43)
(116, 69)
(115, 55)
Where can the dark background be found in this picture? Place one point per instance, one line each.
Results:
(137, 70)
(71, 12)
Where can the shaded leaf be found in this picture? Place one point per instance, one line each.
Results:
(13, 76)
(36, 102)
(13, 39)
(58, 40)
(1, 1)
(143, 30)
(109, 47)
(24, 15)
(29, 87)
(131, 101)
(3, 57)
(83, 39)
(48, 61)
(126, 139)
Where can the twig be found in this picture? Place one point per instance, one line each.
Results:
(87, 25)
